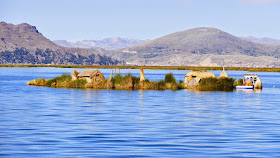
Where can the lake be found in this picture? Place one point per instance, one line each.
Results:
(58, 122)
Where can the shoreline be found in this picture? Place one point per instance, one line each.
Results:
(151, 67)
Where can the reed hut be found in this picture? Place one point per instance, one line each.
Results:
(91, 75)
(197, 76)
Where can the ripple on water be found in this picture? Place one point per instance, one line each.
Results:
(50, 122)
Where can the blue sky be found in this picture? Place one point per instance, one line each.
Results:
(142, 19)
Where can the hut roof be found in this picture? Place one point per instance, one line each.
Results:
(198, 75)
(88, 73)
(223, 74)
(92, 75)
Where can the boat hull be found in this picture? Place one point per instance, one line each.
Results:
(244, 87)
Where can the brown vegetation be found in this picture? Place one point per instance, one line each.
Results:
(216, 84)
(127, 82)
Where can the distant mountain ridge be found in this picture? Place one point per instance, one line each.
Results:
(107, 43)
(201, 47)
(24, 44)
(264, 40)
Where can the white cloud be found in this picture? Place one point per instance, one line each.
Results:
(258, 1)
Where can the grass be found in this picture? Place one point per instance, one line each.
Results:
(61, 81)
(181, 85)
(152, 67)
(136, 80)
(169, 78)
(37, 82)
(117, 79)
(124, 82)
(216, 84)
(129, 81)
(77, 84)
(160, 84)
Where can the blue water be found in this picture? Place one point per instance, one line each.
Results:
(58, 122)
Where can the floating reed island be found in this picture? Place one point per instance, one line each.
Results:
(94, 79)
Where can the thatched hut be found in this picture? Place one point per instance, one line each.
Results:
(223, 74)
(91, 75)
(197, 76)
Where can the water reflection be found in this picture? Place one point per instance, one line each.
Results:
(250, 90)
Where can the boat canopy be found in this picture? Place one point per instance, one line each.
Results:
(250, 75)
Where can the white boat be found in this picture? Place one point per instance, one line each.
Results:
(244, 87)
(250, 81)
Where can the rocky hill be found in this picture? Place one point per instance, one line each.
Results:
(264, 40)
(108, 43)
(24, 44)
(201, 47)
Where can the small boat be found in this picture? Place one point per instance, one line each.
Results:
(250, 81)
(244, 87)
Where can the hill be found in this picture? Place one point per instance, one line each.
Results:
(264, 40)
(24, 44)
(201, 47)
(107, 43)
